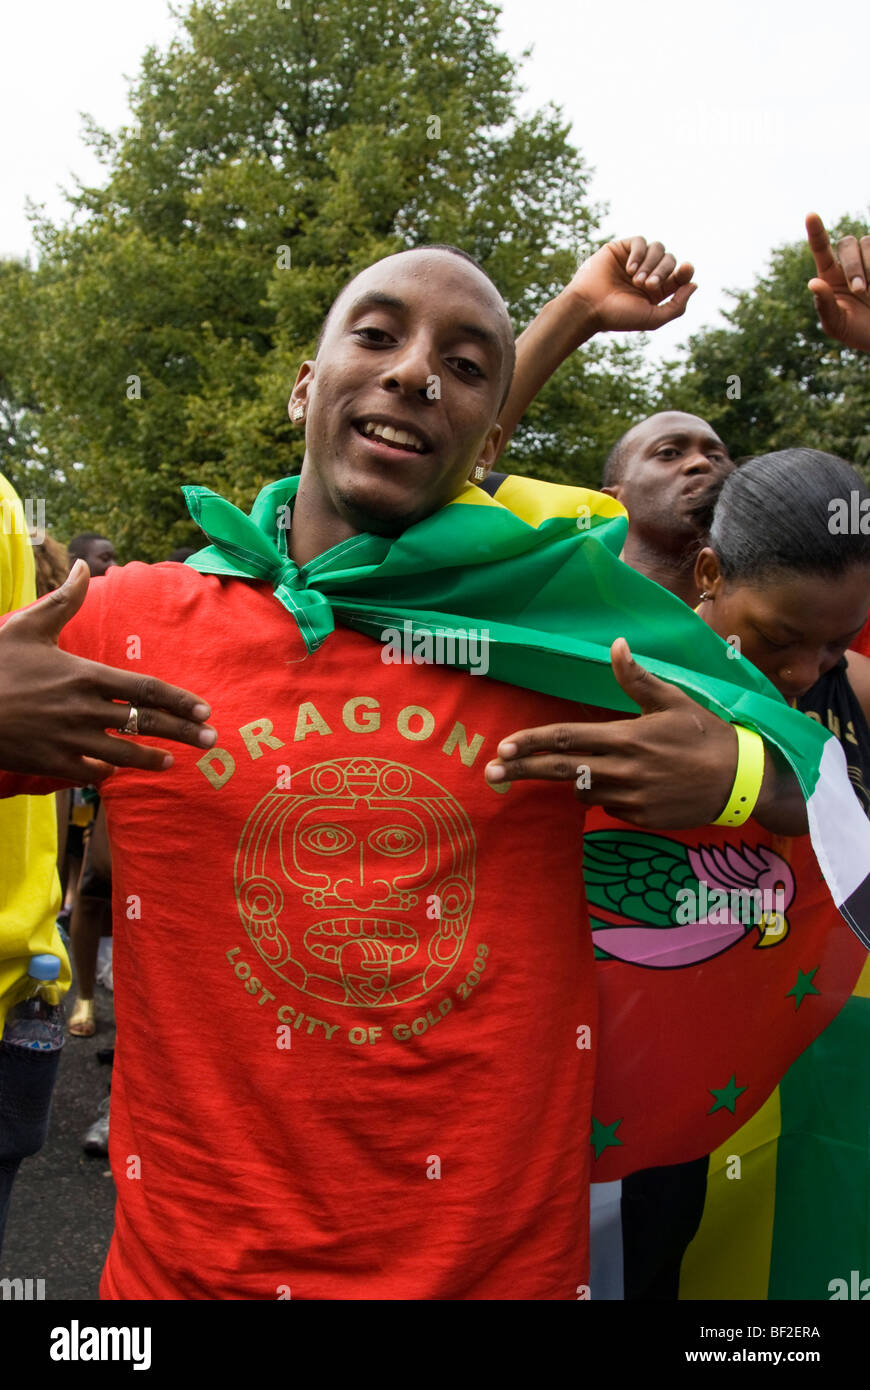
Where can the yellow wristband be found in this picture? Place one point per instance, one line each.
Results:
(747, 779)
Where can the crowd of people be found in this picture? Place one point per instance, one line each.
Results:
(392, 942)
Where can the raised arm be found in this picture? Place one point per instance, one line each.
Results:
(627, 286)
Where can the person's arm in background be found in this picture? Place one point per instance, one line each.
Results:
(627, 286)
(55, 707)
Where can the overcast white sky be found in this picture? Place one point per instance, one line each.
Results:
(712, 127)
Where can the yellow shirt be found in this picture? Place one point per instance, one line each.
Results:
(29, 885)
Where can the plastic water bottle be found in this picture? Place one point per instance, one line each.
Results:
(36, 1022)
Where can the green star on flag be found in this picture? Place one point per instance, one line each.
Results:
(803, 986)
(726, 1097)
(604, 1137)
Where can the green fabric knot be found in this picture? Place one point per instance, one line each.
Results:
(311, 609)
(242, 548)
(287, 575)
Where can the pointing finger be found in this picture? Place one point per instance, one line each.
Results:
(819, 244)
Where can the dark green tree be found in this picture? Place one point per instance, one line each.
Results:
(19, 442)
(273, 152)
(772, 379)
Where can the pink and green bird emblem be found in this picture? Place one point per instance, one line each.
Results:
(665, 905)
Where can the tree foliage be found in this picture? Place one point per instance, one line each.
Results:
(273, 152)
(796, 386)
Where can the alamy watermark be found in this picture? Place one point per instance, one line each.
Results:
(744, 906)
(77, 1343)
(467, 648)
(730, 127)
(853, 1288)
(25, 1290)
(29, 522)
(849, 517)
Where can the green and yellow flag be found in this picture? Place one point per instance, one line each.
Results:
(796, 1224)
(537, 569)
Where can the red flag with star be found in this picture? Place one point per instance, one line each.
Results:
(720, 958)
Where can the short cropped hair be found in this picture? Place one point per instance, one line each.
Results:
(79, 545)
(614, 464)
(434, 246)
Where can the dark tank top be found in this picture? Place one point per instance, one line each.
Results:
(833, 703)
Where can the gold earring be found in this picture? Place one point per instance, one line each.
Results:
(479, 473)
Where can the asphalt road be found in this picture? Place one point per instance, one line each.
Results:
(62, 1212)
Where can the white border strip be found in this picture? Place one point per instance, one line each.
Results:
(839, 829)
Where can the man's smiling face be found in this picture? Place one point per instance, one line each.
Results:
(402, 400)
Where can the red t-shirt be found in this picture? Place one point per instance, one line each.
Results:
(708, 994)
(349, 975)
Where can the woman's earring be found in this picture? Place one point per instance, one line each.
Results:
(479, 473)
(705, 596)
(297, 413)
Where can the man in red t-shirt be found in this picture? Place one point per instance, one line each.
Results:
(353, 978)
